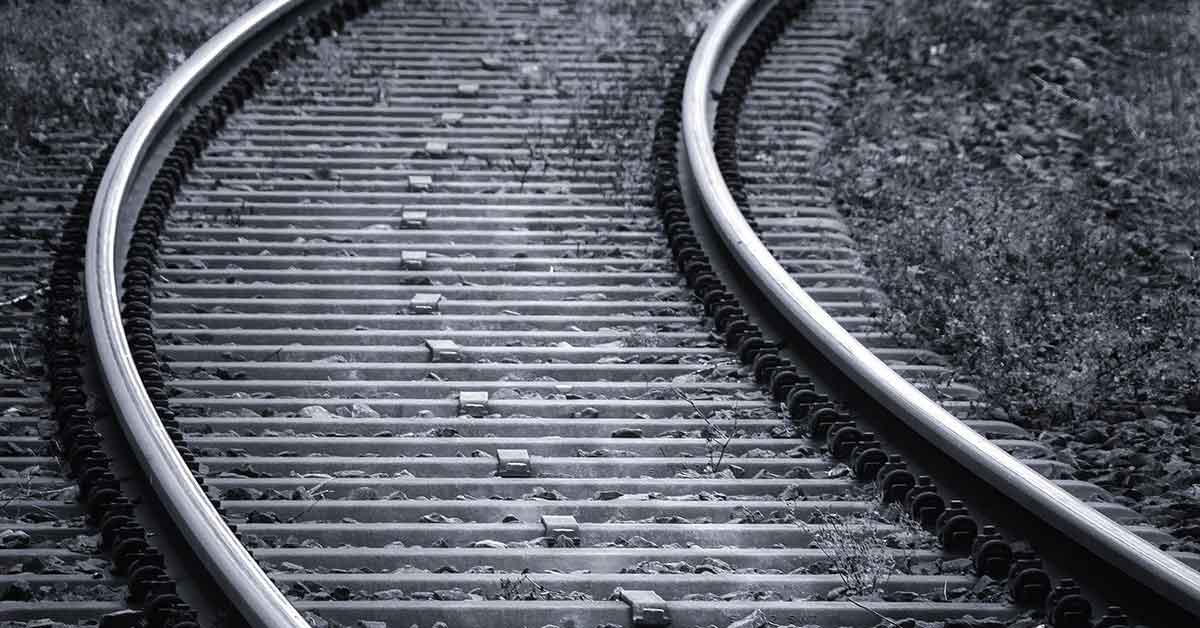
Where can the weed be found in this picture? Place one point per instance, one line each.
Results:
(610, 121)
(314, 495)
(14, 362)
(858, 549)
(643, 339)
(26, 493)
(716, 440)
(337, 62)
(523, 588)
(484, 11)
(234, 217)
(533, 159)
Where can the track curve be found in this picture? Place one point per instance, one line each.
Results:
(437, 336)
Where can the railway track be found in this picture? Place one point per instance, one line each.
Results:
(48, 553)
(407, 325)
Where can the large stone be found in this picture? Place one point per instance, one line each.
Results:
(316, 412)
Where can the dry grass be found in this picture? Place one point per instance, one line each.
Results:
(857, 550)
(613, 116)
(1156, 91)
(15, 361)
(860, 550)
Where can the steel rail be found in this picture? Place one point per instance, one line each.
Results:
(1104, 538)
(230, 564)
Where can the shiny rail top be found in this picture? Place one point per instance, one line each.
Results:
(239, 576)
(1100, 535)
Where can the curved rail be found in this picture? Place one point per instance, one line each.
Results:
(1103, 537)
(240, 577)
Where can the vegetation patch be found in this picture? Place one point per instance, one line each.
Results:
(1022, 177)
(612, 114)
(85, 67)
